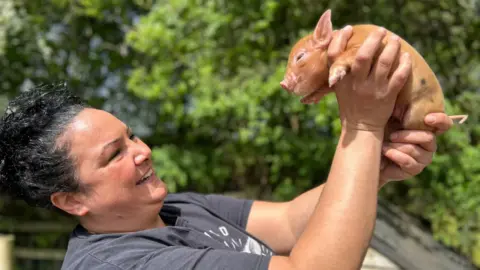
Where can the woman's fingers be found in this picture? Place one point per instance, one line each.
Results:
(386, 59)
(401, 74)
(441, 121)
(416, 152)
(363, 60)
(405, 162)
(425, 139)
(394, 172)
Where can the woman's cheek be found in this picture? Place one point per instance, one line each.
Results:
(125, 172)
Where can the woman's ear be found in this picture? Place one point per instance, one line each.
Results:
(69, 202)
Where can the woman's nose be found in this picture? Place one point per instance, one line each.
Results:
(143, 153)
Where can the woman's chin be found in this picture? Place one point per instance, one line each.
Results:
(154, 188)
(159, 190)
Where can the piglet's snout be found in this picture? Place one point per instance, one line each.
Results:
(285, 85)
(288, 83)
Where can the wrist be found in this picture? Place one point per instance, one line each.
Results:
(359, 126)
(349, 131)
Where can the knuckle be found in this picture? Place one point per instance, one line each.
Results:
(413, 168)
(385, 62)
(346, 34)
(393, 44)
(408, 164)
(333, 52)
(402, 76)
(376, 36)
(429, 138)
(362, 58)
(409, 149)
(382, 95)
(400, 79)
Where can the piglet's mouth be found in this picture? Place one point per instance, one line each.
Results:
(296, 88)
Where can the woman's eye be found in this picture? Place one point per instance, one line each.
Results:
(119, 151)
(115, 154)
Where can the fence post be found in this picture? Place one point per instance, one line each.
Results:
(6, 252)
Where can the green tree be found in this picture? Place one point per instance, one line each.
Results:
(215, 69)
(199, 80)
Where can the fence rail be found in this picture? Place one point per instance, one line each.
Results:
(39, 254)
(13, 256)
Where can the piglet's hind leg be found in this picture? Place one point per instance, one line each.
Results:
(413, 118)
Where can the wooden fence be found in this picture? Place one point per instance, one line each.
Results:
(6, 252)
(13, 256)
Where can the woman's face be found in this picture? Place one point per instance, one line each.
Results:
(114, 166)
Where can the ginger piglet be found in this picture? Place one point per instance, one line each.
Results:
(310, 75)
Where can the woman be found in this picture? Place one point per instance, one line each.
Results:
(56, 151)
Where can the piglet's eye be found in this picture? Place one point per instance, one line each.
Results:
(299, 56)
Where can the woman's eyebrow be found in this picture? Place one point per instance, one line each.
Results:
(110, 144)
(114, 141)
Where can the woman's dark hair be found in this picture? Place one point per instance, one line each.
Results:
(33, 164)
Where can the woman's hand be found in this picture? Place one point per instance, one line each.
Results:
(412, 150)
(366, 97)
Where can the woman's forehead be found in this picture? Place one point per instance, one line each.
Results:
(92, 128)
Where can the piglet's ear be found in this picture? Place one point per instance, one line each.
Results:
(322, 35)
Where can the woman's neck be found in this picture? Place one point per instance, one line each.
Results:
(99, 225)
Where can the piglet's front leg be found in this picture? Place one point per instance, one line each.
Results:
(341, 66)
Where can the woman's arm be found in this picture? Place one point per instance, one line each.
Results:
(411, 151)
(344, 217)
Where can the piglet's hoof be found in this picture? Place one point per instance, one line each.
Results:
(336, 74)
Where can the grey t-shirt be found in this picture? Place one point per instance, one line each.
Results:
(204, 232)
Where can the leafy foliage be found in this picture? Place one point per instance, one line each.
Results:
(199, 81)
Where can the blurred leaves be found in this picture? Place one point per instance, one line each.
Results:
(199, 82)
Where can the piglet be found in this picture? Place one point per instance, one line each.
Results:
(309, 74)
